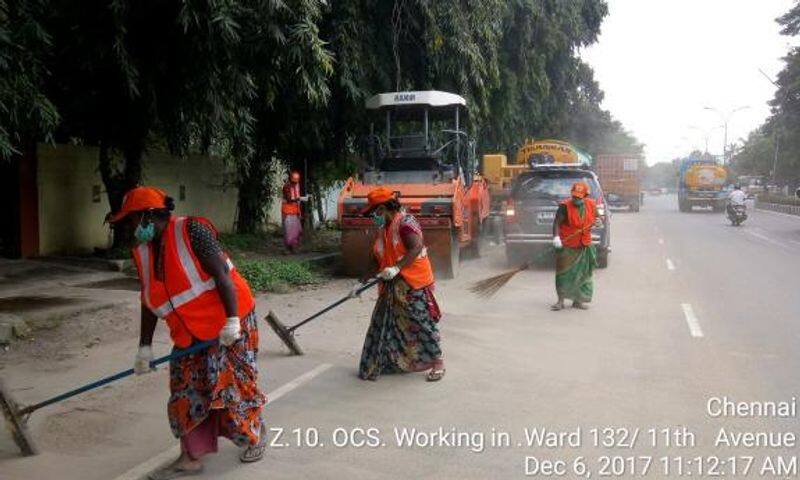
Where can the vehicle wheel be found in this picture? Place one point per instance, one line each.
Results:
(450, 265)
(635, 207)
(474, 248)
(602, 259)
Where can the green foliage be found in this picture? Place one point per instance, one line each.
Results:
(779, 199)
(662, 175)
(26, 113)
(276, 274)
(757, 155)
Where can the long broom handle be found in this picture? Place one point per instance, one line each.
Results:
(111, 378)
(330, 307)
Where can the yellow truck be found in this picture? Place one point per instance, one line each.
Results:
(500, 173)
(701, 183)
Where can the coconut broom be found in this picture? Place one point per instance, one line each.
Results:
(488, 287)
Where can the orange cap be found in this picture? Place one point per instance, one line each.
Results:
(294, 177)
(137, 200)
(579, 189)
(376, 198)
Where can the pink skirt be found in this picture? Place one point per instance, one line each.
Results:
(292, 230)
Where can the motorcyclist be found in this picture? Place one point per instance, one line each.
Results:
(736, 198)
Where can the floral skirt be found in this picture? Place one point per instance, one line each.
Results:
(403, 335)
(222, 379)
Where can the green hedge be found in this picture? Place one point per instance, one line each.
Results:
(779, 199)
(276, 275)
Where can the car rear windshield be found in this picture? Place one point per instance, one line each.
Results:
(552, 185)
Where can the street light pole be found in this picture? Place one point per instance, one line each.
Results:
(725, 120)
(778, 118)
(705, 132)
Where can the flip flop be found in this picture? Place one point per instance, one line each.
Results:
(255, 452)
(556, 307)
(435, 375)
(580, 306)
(173, 471)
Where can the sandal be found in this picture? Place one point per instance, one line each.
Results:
(580, 306)
(556, 307)
(435, 375)
(254, 453)
(173, 471)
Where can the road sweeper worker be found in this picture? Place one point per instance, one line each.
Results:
(576, 257)
(191, 283)
(403, 335)
(291, 212)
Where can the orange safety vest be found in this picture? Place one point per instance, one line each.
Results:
(389, 249)
(291, 208)
(187, 297)
(576, 232)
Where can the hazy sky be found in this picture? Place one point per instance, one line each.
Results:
(661, 61)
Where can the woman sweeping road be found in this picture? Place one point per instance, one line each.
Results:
(403, 335)
(576, 257)
(190, 282)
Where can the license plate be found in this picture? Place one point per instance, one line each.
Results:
(547, 215)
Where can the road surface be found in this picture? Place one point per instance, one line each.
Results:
(690, 309)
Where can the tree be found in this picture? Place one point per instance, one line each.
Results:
(130, 74)
(26, 114)
(781, 131)
(290, 66)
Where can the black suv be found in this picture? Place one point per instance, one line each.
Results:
(531, 210)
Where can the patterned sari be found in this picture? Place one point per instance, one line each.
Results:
(403, 335)
(222, 380)
(574, 269)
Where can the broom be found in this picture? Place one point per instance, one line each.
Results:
(286, 334)
(16, 417)
(488, 287)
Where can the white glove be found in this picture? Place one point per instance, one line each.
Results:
(354, 291)
(143, 358)
(557, 243)
(230, 332)
(388, 273)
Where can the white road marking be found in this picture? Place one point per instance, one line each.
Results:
(767, 239)
(670, 265)
(691, 320)
(140, 471)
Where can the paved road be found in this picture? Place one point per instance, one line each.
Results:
(689, 308)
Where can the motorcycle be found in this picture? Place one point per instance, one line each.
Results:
(737, 214)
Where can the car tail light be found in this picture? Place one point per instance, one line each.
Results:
(510, 211)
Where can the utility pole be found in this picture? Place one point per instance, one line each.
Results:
(725, 119)
(776, 138)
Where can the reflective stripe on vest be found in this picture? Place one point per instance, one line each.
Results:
(197, 285)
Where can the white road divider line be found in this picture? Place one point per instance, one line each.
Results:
(670, 265)
(140, 471)
(691, 320)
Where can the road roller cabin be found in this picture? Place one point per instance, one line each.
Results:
(418, 147)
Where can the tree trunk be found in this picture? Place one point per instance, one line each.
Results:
(316, 192)
(254, 191)
(118, 179)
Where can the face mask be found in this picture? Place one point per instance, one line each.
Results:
(379, 220)
(145, 234)
(577, 201)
